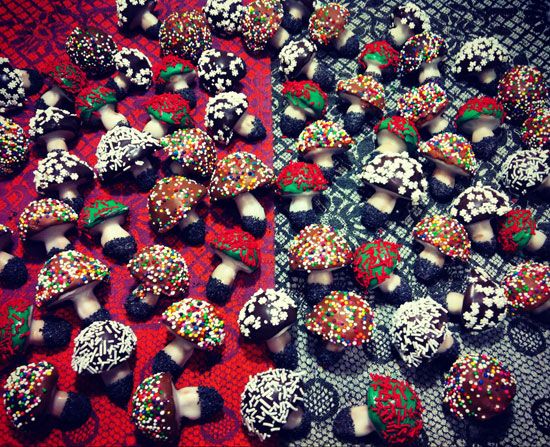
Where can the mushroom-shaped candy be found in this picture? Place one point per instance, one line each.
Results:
(521, 91)
(518, 230)
(13, 272)
(373, 266)
(298, 59)
(160, 271)
(452, 155)
(408, 20)
(235, 177)
(362, 98)
(393, 176)
(92, 50)
(220, 71)
(158, 407)
(104, 348)
(239, 252)
(296, 15)
(166, 111)
(31, 394)
(66, 81)
(124, 149)
(441, 237)
(15, 83)
(535, 131)
(421, 55)
(474, 208)
(320, 141)
(192, 152)
(301, 182)
(306, 101)
(226, 114)
(61, 174)
(340, 319)
(479, 119)
(14, 148)
(195, 324)
(527, 287)
(378, 57)
(172, 202)
(138, 14)
(19, 330)
(267, 317)
(103, 219)
(134, 70)
(319, 250)
(47, 221)
(424, 106)
(261, 25)
(224, 16)
(396, 134)
(71, 275)
(327, 26)
(479, 58)
(272, 402)
(393, 410)
(185, 34)
(479, 387)
(99, 102)
(176, 74)
(53, 127)
(526, 172)
(482, 305)
(419, 331)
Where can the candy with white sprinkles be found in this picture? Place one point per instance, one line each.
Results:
(92, 50)
(185, 34)
(523, 172)
(407, 19)
(224, 16)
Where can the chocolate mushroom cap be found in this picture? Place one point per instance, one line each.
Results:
(220, 71)
(479, 54)
(91, 99)
(524, 171)
(374, 262)
(170, 201)
(102, 346)
(41, 214)
(171, 109)
(5, 237)
(66, 271)
(446, 234)
(515, 230)
(301, 178)
(527, 285)
(196, 321)
(483, 107)
(127, 10)
(134, 65)
(14, 147)
(53, 119)
(160, 270)
(420, 49)
(120, 149)
(260, 21)
(185, 34)
(399, 174)
(367, 89)
(295, 55)
(401, 127)
(319, 247)
(222, 113)
(92, 50)
(101, 210)
(413, 17)
(12, 92)
(342, 318)
(421, 104)
(224, 16)
(327, 22)
(323, 134)
(34, 381)
(65, 74)
(239, 172)
(453, 150)
(238, 245)
(267, 400)
(478, 203)
(535, 131)
(380, 52)
(266, 314)
(418, 330)
(466, 394)
(58, 168)
(193, 149)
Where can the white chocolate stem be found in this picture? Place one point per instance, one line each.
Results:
(323, 277)
(227, 270)
(536, 241)
(373, 67)
(122, 82)
(480, 231)
(487, 76)
(432, 254)
(181, 81)
(321, 157)
(455, 301)
(179, 350)
(67, 190)
(36, 336)
(119, 372)
(429, 70)
(447, 343)
(141, 166)
(382, 200)
(110, 229)
(297, 113)
(279, 39)
(249, 206)
(191, 217)
(390, 284)
(302, 202)
(57, 402)
(294, 419)
(362, 424)
(435, 125)
(245, 125)
(389, 143)
(53, 96)
(148, 20)
(156, 128)
(84, 300)
(342, 38)
(110, 117)
(279, 342)
(54, 236)
(400, 32)
(444, 175)
(54, 142)
(187, 403)
(4, 259)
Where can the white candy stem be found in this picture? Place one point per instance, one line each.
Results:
(480, 231)
(536, 241)
(187, 403)
(355, 106)
(156, 128)
(53, 96)
(487, 76)
(321, 157)
(110, 229)
(279, 39)
(294, 419)
(110, 117)
(447, 343)
(323, 277)
(444, 175)
(481, 130)
(4, 258)
(279, 342)
(148, 20)
(181, 81)
(296, 9)
(36, 336)
(122, 81)
(455, 301)
(400, 32)
(57, 402)
(310, 68)
(24, 75)
(84, 300)
(432, 254)
(191, 217)
(245, 125)
(179, 350)
(543, 307)
(141, 166)
(390, 284)
(227, 270)
(301, 202)
(55, 141)
(373, 67)
(362, 424)
(297, 113)
(382, 200)
(118, 372)
(342, 38)
(67, 190)
(389, 143)
(249, 206)
(54, 236)
(334, 347)
(435, 125)
(429, 70)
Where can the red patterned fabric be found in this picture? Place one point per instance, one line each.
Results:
(32, 30)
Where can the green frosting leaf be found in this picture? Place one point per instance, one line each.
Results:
(101, 210)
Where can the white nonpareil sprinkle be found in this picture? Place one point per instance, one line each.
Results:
(57, 168)
(289, 54)
(135, 66)
(47, 117)
(477, 201)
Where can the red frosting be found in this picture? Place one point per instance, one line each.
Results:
(167, 61)
(238, 245)
(64, 73)
(172, 107)
(385, 50)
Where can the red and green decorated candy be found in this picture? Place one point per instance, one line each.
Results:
(380, 53)
(299, 178)
(15, 320)
(515, 230)
(171, 65)
(401, 127)
(99, 211)
(306, 95)
(91, 99)
(375, 261)
(65, 74)
(238, 245)
(476, 108)
(170, 108)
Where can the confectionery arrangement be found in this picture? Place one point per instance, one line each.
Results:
(201, 125)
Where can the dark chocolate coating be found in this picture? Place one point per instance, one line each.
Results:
(256, 227)
(122, 249)
(488, 248)
(351, 48)
(220, 71)
(258, 131)
(164, 363)
(146, 179)
(99, 315)
(426, 271)
(76, 411)
(327, 358)
(401, 294)
(291, 127)
(301, 219)
(217, 291)
(324, 76)
(316, 292)
(210, 402)
(137, 309)
(119, 392)
(343, 426)
(439, 190)
(56, 332)
(372, 218)
(354, 122)
(14, 274)
(194, 234)
(299, 432)
(287, 358)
